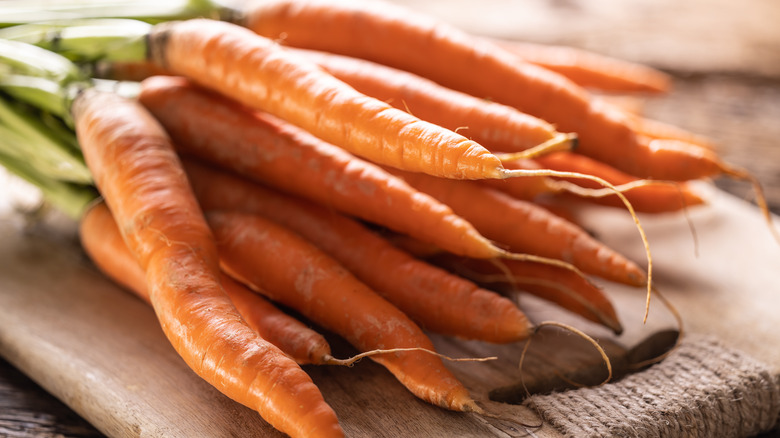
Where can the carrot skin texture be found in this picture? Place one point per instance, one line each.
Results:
(395, 36)
(291, 271)
(294, 338)
(564, 288)
(141, 179)
(495, 126)
(659, 130)
(102, 241)
(527, 228)
(260, 74)
(266, 149)
(433, 298)
(589, 69)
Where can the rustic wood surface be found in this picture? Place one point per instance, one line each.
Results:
(726, 60)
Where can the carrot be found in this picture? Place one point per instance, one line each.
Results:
(560, 286)
(260, 74)
(665, 131)
(293, 272)
(294, 338)
(630, 104)
(266, 149)
(653, 198)
(524, 227)
(590, 70)
(497, 127)
(392, 35)
(140, 177)
(102, 241)
(433, 298)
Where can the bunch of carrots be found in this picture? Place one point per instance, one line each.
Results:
(371, 168)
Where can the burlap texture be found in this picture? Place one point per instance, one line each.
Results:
(703, 389)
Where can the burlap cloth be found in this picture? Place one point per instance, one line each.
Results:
(703, 389)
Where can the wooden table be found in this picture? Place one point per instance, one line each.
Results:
(725, 58)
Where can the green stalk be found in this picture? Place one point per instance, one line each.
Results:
(39, 77)
(27, 138)
(21, 58)
(71, 199)
(60, 132)
(41, 93)
(152, 11)
(86, 40)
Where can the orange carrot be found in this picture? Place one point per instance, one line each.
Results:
(435, 299)
(260, 74)
(293, 337)
(560, 286)
(497, 127)
(524, 227)
(653, 198)
(266, 149)
(103, 243)
(101, 239)
(292, 271)
(631, 105)
(392, 35)
(140, 177)
(665, 131)
(591, 70)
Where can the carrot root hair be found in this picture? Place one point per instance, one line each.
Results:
(680, 330)
(743, 175)
(584, 192)
(512, 173)
(575, 331)
(539, 259)
(523, 353)
(352, 360)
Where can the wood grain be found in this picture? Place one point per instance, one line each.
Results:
(27, 410)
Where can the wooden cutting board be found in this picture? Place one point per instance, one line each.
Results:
(99, 349)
